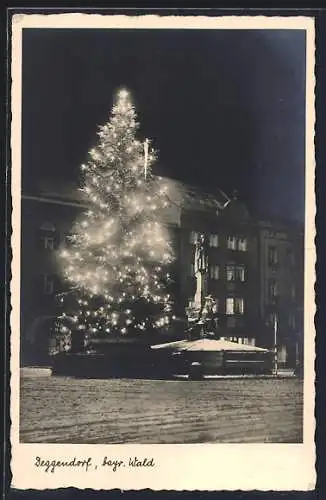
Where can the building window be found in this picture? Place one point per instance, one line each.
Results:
(230, 305)
(272, 256)
(47, 235)
(240, 273)
(48, 284)
(193, 237)
(235, 272)
(214, 272)
(47, 242)
(230, 272)
(239, 305)
(272, 288)
(213, 240)
(231, 243)
(242, 244)
(234, 305)
(248, 341)
(234, 243)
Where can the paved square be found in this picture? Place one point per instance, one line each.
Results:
(67, 410)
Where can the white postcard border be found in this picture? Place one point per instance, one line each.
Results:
(178, 467)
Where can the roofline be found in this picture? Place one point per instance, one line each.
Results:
(72, 204)
(55, 201)
(266, 223)
(47, 196)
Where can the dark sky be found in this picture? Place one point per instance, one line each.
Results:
(226, 108)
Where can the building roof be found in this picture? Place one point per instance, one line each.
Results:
(180, 196)
(197, 198)
(208, 345)
(65, 191)
(277, 227)
(179, 192)
(267, 221)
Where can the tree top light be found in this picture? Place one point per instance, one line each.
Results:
(123, 94)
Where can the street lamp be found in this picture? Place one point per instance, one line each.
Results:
(275, 344)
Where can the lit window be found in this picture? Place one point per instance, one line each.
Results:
(239, 305)
(193, 237)
(272, 256)
(230, 305)
(48, 284)
(230, 272)
(235, 272)
(242, 244)
(213, 240)
(240, 273)
(245, 341)
(232, 243)
(250, 341)
(234, 305)
(214, 272)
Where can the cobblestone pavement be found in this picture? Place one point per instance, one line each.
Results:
(67, 410)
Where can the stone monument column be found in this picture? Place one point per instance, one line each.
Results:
(201, 272)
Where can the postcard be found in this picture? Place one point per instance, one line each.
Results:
(163, 256)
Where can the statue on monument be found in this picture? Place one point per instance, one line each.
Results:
(202, 311)
(201, 271)
(201, 255)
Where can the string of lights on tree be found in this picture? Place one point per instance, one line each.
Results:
(116, 264)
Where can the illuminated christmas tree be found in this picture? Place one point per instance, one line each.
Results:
(118, 259)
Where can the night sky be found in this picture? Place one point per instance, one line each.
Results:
(225, 108)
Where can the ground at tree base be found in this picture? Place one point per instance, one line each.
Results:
(67, 410)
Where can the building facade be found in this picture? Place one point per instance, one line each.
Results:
(281, 288)
(255, 268)
(232, 273)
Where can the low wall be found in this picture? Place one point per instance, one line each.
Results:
(131, 361)
(115, 363)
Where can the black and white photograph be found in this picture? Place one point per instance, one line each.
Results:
(165, 232)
